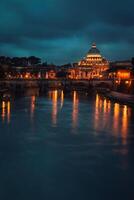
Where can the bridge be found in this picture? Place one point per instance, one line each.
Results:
(102, 82)
(22, 84)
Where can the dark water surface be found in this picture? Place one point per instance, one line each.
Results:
(66, 148)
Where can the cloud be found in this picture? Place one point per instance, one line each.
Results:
(61, 31)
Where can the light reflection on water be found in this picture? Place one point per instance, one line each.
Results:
(62, 99)
(33, 100)
(125, 122)
(6, 111)
(58, 96)
(116, 118)
(53, 95)
(105, 109)
(44, 152)
(75, 110)
(106, 113)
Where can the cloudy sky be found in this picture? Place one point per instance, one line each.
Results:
(61, 31)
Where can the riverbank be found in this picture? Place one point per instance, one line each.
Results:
(120, 97)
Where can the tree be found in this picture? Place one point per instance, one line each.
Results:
(5, 60)
(32, 60)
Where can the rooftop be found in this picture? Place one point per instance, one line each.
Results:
(93, 50)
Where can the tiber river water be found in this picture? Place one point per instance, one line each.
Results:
(66, 148)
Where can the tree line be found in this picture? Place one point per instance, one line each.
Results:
(20, 61)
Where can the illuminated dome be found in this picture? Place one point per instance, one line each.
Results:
(93, 65)
(93, 57)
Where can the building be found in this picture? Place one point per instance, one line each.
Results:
(32, 72)
(121, 63)
(121, 70)
(92, 66)
(122, 74)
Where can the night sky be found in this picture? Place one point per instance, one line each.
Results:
(61, 31)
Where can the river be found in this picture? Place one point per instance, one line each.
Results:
(66, 148)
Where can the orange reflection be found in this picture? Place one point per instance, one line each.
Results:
(120, 122)
(54, 108)
(62, 98)
(3, 110)
(102, 109)
(100, 104)
(33, 98)
(75, 109)
(124, 124)
(8, 111)
(106, 112)
(105, 106)
(96, 121)
(116, 118)
(109, 106)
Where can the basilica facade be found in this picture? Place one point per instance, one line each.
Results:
(90, 67)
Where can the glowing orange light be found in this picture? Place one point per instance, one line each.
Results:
(128, 83)
(105, 106)
(75, 109)
(8, 111)
(109, 106)
(62, 98)
(117, 82)
(3, 110)
(116, 118)
(96, 112)
(54, 108)
(123, 74)
(33, 98)
(27, 75)
(125, 124)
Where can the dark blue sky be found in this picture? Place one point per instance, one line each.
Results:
(61, 31)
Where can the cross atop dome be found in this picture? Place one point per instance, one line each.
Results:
(94, 45)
